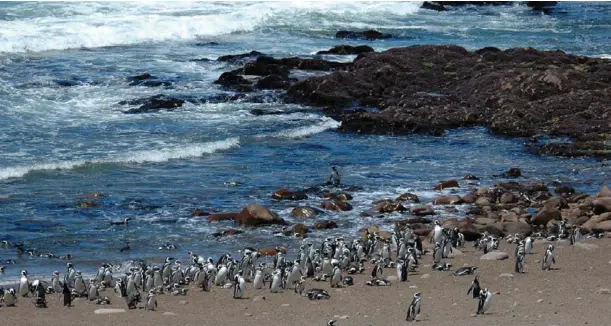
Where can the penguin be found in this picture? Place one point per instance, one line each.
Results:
(166, 271)
(334, 178)
(55, 283)
(41, 293)
(378, 283)
(124, 222)
(221, 276)
(133, 298)
(401, 271)
(24, 284)
(295, 273)
(465, 271)
(131, 286)
(275, 284)
(79, 284)
(520, 260)
(437, 253)
(300, 286)
(93, 293)
(208, 281)
(528, 245)
(336, 276)
(99, 277)
(485, 300)
(331, 322)
(157, 277)
(548, 259)
(377, 272)
(327, 268)
(475, 288)
(437, 233)
(70, 274)
(414, 307)
(10, 298)
(67, 295)
(151, 301)
(258, 281)
(149, 282)
(239, 286)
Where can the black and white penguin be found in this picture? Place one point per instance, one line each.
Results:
(377, 272)
(437, 253)
(67, 295)
(166, 270)
(402, 271)
(462, 271)
(475, 288)
(334, 178)
(10, 298)
(414, 307)
(92, 293)
(317, 294)
(275, 286)
(520, 260)
(485, 301)
(331, 322)
(24, 284)
(70, 274)
(221, 276)
(336, 276)
(300, 286)
(548, 258)
(151, 301)
(124, 222)
(133, 298)
(437, 233)
(528, 245)
(239, 285)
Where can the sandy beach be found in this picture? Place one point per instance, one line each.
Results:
(568, 295)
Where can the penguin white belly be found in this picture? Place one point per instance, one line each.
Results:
(438, 234)
(240, 287)
(258, 282)
(93, 293)
(336, 278)
(24, 287)
(549, 259)
(151, 303)
(488, 302)
(79, 286)
(275, 287)
(219, 279)
(528, 247)
(326, 267)
(9, 299)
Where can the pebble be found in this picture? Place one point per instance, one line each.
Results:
(506, 275)
(603, 291)
(108, 311)
(248, 314)
(183, 302)
(343, 317)
(413, 286)
(285, 305)
(167, 313)
(540, 300)
(425, 276)
(258, 298)
(579, 298)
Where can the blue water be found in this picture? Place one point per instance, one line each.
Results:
(58, 143)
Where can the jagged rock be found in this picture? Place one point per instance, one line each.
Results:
(273, 82)
(513, 173)
(285, 194)
(388, 206)
(433, 5)
(602, 205)
(545, 214)
(422, 210)
(336, 205)
(157, 103)
(367, 35)
(447, 184)
(225, 233)
(257, 215)
(237, 57)
(323, 225)
(470, 177)
(347, 49)
(305, 212)
(408, 197)
(564, 191)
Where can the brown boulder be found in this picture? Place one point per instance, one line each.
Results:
(450, 223)
(469, 199)
(483, 191)
(495, 229)
(564, 191)
(268, 252)
(508, 198)
(323, 225)
(422, 210)
(546, 214)
(300, 229)
(447, 184)
(285, 194)
(604, 192)
(222, 217)
(557, 202)
(468, 229)
(541, 196)
(604, 226)
(201, 212)
(388, 206)
(344, 196)
(414, 220)
(483, 201)
(602, 205)
(513, 173)
(531, 187)
(422, 232)
(510, 217)
(575, 198)
(448, 200)
(408, 197)
(225, 233)
(336, 205)
(304, 212)
(256, 215)
(516, 227)
(484, 221)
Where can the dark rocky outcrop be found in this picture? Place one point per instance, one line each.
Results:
(234, 58)
(519, 92)
(285, 194)
(148, 80)
(347, 49)
(154, 104)
(365, 35)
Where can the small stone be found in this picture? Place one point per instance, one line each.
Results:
(540, 300)
(168, 313)
(258, 298)
(455, 304)
(506, 275)
(495, 255)
(343, 317)
(248, 314)
(108, 311)
(183, 302)
(603, 291)
(473, 315)
(413, 286)
(425, 276)
(579, 298)
(285, 305)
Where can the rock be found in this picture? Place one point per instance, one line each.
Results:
(94, 195)
(388, 206)
(167, 313)
(604, 192)
(266, 252)
(484, 220)
(603, 291)
(422, 210)
(495, 255)
(300, 229)
(285, 194)
(540, 300)
(483, 201)
(508, 198)
(488, 49)
(564, 191)
(510, 217)
(506, 275)
(468, 229)
(513, 173)
(448, 200)
(433, 6)
(447, 184)
(235, 81)
(284, 305)
(469, 199)
(323, 225)
(425, 276)
(575, 198)
(222, 217)
(237, 57)
(201, 212)
(347, 49)
(157, 103)
(344, 196)
(367, 35)
(470, 177)
(602, 205)
(273, 82)
(305, 212)
(482, 191)
(545, 214)
(183, 302)
(227, 233)
(88, 204)
(257, 215)
(336, 205)
(495, 229)
(408, 197)
(604, 226)
(108, 311)
(147, 80)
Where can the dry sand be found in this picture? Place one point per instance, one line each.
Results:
(564, 296)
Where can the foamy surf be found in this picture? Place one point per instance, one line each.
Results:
(152, 156)
(301, 132)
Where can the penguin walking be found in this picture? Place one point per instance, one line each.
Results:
(549, 258)
(485, 300)
(475, 288)
(151, 301)
(239, 286)
(10, 298)
(24, 284)
(336, 276)
(401, 271)
(414, 307)
(377, 272)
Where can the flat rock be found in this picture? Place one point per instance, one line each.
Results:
(108, 311)
(506, 275)
(183, 302)
(603, 291)
(168, 313)
(285, 305)
(495, 255)
(258, 298)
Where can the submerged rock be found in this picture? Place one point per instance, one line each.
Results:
(347, 49)
(367, 35)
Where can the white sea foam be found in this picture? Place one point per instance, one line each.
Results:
(161, 155)
(300, 132)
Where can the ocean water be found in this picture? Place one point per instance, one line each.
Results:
(65, 66)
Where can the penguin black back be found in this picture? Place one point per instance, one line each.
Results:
(67, 295)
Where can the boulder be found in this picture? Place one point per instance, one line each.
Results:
(450, 223)
(516, 227)
(304, 212)
(422, 210)
(323, 225)
(604, 226)
(300, 229)
(575, 198)
(447, 184)
(201, 212)
(546, 214)
(89, 204)
(495, 255)
(448, 200)
(483, 201)
(257, 215)
(285, 194)
(495, 229)
(270, 252)
(408, 197)
(225, 233)
(482, 191)
(347, 49)
(233, 80)
(273, 82)
(484, 220)
(344, 196)
(237, 57)
(508, 198)
(604, 192)
(432, 5)
(602, 205)
(336, 205)
(367, 35)
(469, 199)
(512, 173)
(510, 217)
(157, 103)
(388, 206)
(222, 217)
(564, 191)
(468, 229)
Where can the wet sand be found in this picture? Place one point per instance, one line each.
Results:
(566, 295)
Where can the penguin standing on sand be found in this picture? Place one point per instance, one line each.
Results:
(475, 288)
(70, 274)
(377, 272)
(401, 271)
(276, 283)
(485, 300)
(336, 276)
(528, 246)
(55, 283)
(151, 301)
(93, 293)
(258, 281)
(79, 284)
(414, 307)
(437, 253)
(24, 284)
(67, 295)
(520, 260)
(437, 233)
(10, 298)
(239, 286)
(549, 258)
